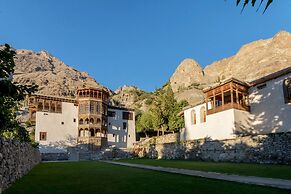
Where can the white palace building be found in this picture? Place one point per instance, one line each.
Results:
(234, 108)
(88, 120)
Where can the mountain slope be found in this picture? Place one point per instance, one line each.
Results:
(51, 75)
(252, 61)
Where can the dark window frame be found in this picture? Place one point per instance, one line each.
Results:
(42, 136)
(287, 90)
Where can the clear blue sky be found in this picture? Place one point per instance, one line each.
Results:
(136, 42)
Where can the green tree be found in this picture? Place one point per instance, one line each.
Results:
(11, 94)
(165, 111)
(145, 122)
(177, 122)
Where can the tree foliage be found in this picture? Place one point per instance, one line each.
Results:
(253, 3)
(163, 113)
(10, 95)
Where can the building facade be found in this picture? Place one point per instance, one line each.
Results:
(121, 127)
(234, 108)
(62, 122)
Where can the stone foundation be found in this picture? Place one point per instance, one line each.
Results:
(271, 148)
(16, 159)
(54, 156)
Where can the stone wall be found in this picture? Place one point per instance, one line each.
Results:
(16, 159)
(271, 148)
(169, 138)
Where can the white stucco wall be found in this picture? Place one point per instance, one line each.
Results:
(217, 126)
(117, 136)
(268, 107)
(58, 135)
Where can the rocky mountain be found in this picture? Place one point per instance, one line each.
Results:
(132, 97)
(51, 75)
(252, 61)
(255, 59)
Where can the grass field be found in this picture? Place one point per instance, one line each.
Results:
(96, 177)
(262, 170)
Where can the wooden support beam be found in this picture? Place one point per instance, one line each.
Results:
(222, 96)
(236, 93)
(231, 93)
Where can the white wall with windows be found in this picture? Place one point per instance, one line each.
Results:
(271, 105)
(220, 125)
(56, 131)
(121, 128)
(270, 112)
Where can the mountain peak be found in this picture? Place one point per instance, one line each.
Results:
(188, 72)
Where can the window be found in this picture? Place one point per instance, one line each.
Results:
(39, 106)
(63, 123)
(74, 120)
(193, 117)
(287, 90)
(202, 115)
(98, 107)
(46, 106)
(91, 107)
(259, 87)
(91, 121)
(59, 108)
(127, 116)
(42, 136)
(124, 125)
(87, 107)
(111, 113)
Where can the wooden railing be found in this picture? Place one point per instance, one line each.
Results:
(227, 107)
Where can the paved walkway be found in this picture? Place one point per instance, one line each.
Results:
(270, 182)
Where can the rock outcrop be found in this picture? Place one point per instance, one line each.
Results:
(51, 75)
(187, 73)
(252, 61)
(131, 97)
(255, 60)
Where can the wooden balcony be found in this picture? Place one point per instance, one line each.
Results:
(227, 107)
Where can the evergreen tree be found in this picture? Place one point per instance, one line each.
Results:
(165, 111)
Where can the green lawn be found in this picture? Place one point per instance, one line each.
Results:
(97, 177)
(273, 171)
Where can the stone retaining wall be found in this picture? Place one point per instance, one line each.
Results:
(16, 159)
(54, 156)
(271, 148)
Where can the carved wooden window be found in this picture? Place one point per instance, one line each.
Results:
(287, 90)
(81, 122)
(46, 106)
(42, 136)
(202, 115)
(40, 106)
(53, 107)
(193, 117)
(98, 107)
(82, 108)
(91, 107)
(124, 125)
(111, 113)
(59, 108)
(127, 116)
